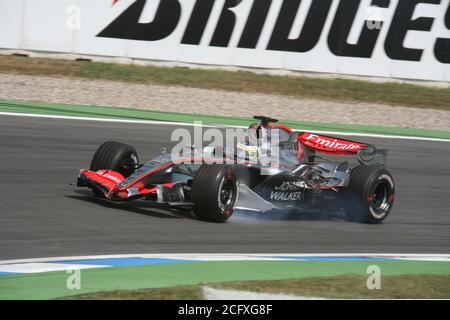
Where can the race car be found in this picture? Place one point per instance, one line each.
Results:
(303, 179)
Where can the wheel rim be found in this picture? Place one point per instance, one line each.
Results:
(227, 196)
(381, 198)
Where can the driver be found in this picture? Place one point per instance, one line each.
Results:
(253, 146)
(258, 146)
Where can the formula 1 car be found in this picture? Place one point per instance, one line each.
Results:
(302, 181)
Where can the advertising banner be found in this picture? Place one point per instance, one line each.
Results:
(407, 39)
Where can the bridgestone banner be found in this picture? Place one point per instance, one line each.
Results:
(388, 38)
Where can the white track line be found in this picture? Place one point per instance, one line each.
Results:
(171, 123)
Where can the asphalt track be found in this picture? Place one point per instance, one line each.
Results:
(42, 215)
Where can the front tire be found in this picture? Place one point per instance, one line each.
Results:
(214, 192)
(370, 195)
(114, 156)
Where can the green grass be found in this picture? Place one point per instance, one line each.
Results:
(242, 81)
(50, 285)
(128, 113)
(337, 287)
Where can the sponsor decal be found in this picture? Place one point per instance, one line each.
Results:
(286, 196)
(367, 154)
(406, 17)
(288, 191)
(104, 173)
(330, 144)
(290, 186)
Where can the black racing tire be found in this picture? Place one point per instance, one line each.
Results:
(370, 194)
(114, 156)
(214, 192)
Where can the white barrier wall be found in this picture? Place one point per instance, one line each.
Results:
(388, 38)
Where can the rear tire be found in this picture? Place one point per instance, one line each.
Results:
(114, 156)
(214, 192)
(370, 195)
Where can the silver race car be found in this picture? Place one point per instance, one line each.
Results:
(215, 182)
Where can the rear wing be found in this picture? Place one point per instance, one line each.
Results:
(331, 145)
(367, 154)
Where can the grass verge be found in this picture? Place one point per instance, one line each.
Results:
(51, 285)
(337, 287)
(241, 81)
(136, 114)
